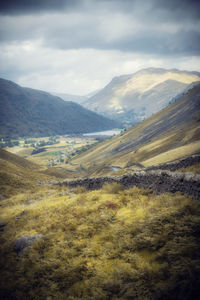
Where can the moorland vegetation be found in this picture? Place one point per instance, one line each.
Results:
(112, 243)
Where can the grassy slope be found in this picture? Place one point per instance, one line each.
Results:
(18, 174)
(106, 244)
(170, 134)
(17, 160)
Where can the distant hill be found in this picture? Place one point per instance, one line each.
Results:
(132, 98)
(75, 98)
(29, 112)
(168, 135)
(69, 97)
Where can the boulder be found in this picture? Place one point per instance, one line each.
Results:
(25, 241)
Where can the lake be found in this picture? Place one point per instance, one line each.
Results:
(104, 133)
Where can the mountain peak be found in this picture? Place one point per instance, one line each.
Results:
(132, 97)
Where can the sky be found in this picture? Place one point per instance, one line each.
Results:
(78, 46)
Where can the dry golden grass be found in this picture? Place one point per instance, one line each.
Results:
(173, 154)
(106, 244)
(194, 169)
(18, 174)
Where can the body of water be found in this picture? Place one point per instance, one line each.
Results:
(103, 133)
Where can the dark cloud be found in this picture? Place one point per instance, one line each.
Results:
(12, 7)
(182, 42)
(179, 8)
(76, 46)
(157, 27)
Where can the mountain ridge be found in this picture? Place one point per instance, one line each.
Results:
(139, 95)
(30, 112)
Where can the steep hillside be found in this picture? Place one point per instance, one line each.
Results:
(168, 135)
(28, 112)
(131, 98)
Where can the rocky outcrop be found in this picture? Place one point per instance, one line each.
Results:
(25, 241)
(158, 180)
(2, 225)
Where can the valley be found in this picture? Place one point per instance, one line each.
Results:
(92, 215)
(52, 151)
(99, 150)
(56, 151)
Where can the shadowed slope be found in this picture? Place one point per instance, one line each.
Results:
(29, 112)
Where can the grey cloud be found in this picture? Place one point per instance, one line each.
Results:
(90, 25)
(183, 43)
(145, 39)
(20, 7)
(172, 8)
(189, 9)
(79, 45)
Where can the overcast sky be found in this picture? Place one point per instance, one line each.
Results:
(77, 46)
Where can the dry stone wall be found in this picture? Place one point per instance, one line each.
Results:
(158, 180)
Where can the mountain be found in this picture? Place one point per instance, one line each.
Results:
(69, 97)
(170, 134)
(132, 98)
(75, 98)
(29, 112)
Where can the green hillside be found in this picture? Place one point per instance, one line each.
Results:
(28, 112)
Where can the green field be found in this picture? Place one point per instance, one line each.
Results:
(64, 149)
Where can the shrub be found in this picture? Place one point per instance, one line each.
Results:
(112, 188)
(36, 151)
(80, 189)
